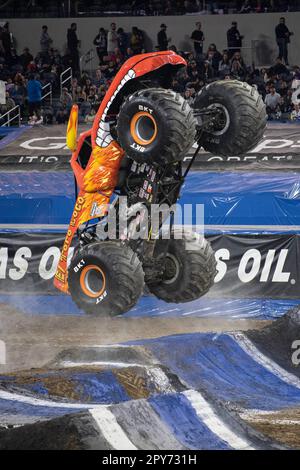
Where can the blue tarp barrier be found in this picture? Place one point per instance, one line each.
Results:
(229, 198)
(245, 198)
(36, 197)
(149, 306)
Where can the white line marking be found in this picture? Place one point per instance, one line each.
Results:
(193, 311)
(47, 403)
(264, 361)
(167, 311)
(99, 363)
(214, 423)
(111, 429)
(108, 346)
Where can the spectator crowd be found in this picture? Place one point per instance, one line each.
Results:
(25, 76)
(89, 8)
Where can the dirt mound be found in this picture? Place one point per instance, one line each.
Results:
(278, 340)
(71, 432)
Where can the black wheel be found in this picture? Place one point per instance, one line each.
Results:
(189, 268)
(156, 126)
(241, 121)
(106, 278)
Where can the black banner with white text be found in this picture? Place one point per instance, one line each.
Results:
(248, 265)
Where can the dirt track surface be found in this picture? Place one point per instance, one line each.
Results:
(32, 341)
(66, 357)
(283, 426)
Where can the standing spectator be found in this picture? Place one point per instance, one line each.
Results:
(34, 92)
(73, 44)
(122, 41)
(100, 42)
(136, 40)
(198, 39)
(45, 40)
(162, 39)
(112, 39)
(283, 38)
(234, 39)
(7, 41)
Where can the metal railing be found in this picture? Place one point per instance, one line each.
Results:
(65, 77)
(10, 119)
(87, 60)
(47, 91)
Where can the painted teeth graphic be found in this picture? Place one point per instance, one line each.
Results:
(103, 126)
(131, 74)
(103, 133)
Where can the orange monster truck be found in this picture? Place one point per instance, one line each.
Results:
(140, 135)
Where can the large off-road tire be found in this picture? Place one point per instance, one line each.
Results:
(243, 117)
(156, 126)
(190, 268)
(106, 278)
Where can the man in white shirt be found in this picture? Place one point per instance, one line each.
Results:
(112, 39)
(272, 100)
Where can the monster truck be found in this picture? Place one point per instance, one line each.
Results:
(135, 149)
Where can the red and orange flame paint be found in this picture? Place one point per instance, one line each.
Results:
(98, 180)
